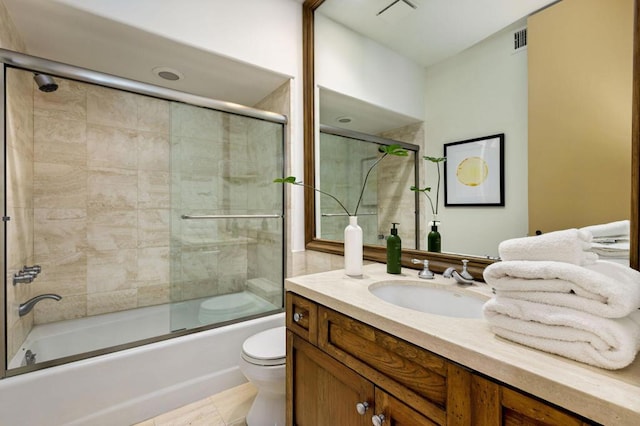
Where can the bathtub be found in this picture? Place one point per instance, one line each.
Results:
(127, 386)
(65, 338)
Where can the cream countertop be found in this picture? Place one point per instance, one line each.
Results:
(607, 397)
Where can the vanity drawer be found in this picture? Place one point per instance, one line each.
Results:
(421, 379)
(302, 317)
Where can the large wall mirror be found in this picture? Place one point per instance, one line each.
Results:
(436, 73)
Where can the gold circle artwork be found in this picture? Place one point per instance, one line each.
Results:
(472, 171)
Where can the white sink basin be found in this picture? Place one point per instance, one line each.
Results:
(439, 301)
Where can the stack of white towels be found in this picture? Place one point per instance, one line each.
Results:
(611, 240)
(553, 294)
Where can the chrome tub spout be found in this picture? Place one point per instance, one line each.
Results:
(27, 306)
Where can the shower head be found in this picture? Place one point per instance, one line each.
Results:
(45, 83)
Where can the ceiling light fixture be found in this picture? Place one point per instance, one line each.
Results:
(167, 73)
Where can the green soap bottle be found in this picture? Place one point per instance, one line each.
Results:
(394, 252)
(433, 239)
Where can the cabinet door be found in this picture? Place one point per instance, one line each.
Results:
(396, 413)
(321, 391)
(519, 409)
(494, 404)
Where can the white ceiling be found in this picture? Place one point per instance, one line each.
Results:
(436, 29)
(365, 118)
(54, 30)
(431, 33)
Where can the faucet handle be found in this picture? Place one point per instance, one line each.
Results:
(425, 273)
(35, 269)
(22, 278)
(465, 274)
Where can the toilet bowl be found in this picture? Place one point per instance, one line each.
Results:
(262, 361)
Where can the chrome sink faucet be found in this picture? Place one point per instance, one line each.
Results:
(425, 273)
(462, 277)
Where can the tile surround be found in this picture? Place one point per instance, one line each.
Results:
(101, 195)
(100, 166)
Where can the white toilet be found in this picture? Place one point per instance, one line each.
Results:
(263, 362)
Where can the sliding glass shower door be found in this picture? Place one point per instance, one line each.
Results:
(226, 217)
(128, 216)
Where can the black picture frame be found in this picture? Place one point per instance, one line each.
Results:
(474, 172)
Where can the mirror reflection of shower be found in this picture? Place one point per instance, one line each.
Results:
(45, 83)
(345, 159)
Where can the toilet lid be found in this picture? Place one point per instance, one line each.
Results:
(228, 303)
(268, 347)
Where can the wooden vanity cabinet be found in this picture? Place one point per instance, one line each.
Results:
(345, 362)
(326, 393)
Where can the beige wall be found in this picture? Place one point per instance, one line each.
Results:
(101, 200)
(580, 75)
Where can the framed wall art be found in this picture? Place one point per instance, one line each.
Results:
(474, 172)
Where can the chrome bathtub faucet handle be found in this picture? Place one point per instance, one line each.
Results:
(32, 269)
(22, 278)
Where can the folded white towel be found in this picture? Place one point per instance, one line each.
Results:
(611, 249)
(569, 245)
(611, 229)
(602, 342)
(605, 289)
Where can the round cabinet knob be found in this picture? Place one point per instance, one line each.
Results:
(362, 407)
(377, 420)
(297, 317)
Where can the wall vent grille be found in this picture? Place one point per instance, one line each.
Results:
(520, 40)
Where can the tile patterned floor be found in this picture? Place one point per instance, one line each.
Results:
(227, 408)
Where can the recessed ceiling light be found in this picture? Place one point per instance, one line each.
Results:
(344, 119)
(167, 73)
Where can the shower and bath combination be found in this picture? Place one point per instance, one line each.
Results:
(194, 270)
(147, 281)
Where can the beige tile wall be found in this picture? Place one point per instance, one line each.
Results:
(397, 202)
(280, 102)
(224, 164)
(101, 200)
